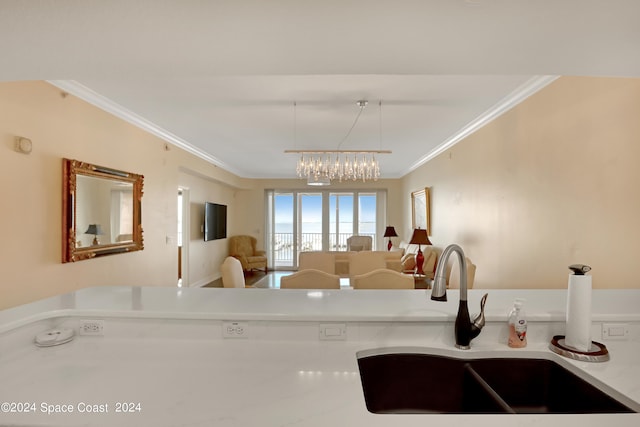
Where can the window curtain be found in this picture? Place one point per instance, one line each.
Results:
(121, 215)
(269, 244)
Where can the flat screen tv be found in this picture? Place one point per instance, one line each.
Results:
(215, 221)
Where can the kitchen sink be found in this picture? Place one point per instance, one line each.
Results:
(415, 382)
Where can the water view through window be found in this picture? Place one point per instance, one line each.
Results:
(316, 221)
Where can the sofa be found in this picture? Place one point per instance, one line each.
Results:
(408, 259)
(339, 262)
(351, 264)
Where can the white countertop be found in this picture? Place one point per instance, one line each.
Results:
(163, 347)
(293, 304)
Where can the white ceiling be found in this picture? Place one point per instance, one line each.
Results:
(220, 77)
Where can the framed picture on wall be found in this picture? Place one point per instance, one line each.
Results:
(420, 209)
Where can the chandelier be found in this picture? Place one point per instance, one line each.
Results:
(320, 167)
(343, 165)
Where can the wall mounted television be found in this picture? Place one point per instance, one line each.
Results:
(215, 221)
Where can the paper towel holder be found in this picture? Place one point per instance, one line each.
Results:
(579, 269)
(597, 352)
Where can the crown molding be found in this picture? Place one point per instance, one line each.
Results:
(94, 98)
(521, 93)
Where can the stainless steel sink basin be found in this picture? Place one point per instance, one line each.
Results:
(416, 382)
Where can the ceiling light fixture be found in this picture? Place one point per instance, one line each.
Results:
(320, 167)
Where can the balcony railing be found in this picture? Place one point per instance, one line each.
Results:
(284, 245)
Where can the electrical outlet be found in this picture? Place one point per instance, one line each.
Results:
(91, 327)
(235, 329)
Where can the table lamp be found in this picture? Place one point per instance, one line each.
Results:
(390, 232)
(96, 230)
(419, 237)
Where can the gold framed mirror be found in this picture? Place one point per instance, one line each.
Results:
(101, 211)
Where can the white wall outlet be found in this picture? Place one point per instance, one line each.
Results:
(333, 331)
(615, 331)
(235, 329)
(91, 327)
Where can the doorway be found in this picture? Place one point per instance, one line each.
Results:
(183, 237)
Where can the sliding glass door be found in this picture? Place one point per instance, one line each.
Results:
(300, 221)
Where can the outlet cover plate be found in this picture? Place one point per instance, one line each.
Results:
(615, 331)
(91, 327)
(235, 329)
(333, 332)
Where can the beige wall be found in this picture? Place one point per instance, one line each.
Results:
(552, 182)
(205, 258)
(31, 188)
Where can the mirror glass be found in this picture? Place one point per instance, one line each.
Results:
(106, 209)
(102, 211)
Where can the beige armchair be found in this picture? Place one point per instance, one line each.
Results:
(244, 249)
(359, 243)
(310, 279)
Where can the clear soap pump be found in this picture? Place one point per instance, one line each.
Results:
(517, 326)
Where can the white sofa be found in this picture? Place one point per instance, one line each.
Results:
(408, 259)
(350, 264)
(339, 262)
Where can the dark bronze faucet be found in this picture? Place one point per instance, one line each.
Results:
(465, 330)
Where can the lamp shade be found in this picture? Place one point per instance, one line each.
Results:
(390, 231)
(420, 237)
(95, 229)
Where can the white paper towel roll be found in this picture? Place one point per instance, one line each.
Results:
(578, 333)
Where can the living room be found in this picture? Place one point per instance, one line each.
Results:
(549, 183)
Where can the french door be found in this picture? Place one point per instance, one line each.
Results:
(299, 221)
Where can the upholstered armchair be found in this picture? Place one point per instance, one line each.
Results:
(359, 243)
(244, 249)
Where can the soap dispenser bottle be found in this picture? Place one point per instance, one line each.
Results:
(517, 326)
